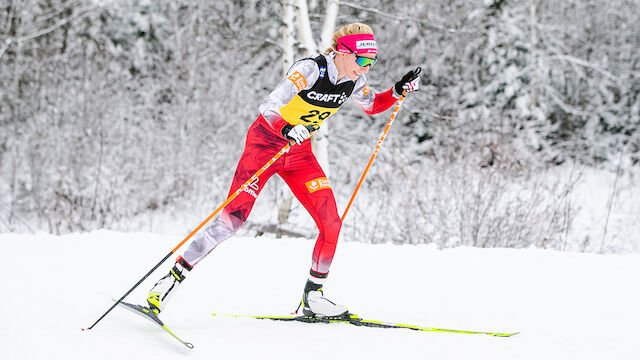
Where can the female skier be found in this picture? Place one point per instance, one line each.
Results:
(313, 90)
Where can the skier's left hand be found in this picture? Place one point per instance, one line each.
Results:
(409, 82)
(298, 133)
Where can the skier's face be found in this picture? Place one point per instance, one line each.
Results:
(351, 68)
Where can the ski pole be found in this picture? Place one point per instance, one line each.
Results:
(375, 152)
(225, 203)
(373, 156)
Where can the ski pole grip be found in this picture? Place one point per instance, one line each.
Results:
(311, 127)
(413, 76)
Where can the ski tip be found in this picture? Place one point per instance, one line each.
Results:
(510, 334)
(83, 329)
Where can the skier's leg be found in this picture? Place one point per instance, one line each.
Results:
(260, 147)
(232, 217)
(311, 187)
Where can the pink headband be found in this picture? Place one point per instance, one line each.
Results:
(358, 43)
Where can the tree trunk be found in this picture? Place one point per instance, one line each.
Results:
(534, 54)
(320, 142)
(288, 34)
(288, 40)
(304, 29)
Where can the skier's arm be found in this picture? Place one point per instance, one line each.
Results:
(302, 75)
(372, 103)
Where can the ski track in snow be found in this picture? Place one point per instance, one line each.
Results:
(566, 305)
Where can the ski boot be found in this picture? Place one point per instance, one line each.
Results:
(314, 304)
(162, 291)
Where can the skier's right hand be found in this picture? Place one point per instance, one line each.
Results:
(409, 82)
(298, 133)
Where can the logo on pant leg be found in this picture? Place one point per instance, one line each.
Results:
(318, 184)
(253, 187)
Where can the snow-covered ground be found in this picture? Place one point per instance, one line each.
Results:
(593, 200)
(566, 305)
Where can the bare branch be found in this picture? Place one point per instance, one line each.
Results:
(5, 46)
(565, 107)
(75, 16)
(403, 18)
(575, 60)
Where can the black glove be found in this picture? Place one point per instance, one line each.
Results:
(409, 82)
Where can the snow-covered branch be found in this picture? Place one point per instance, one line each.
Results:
(577, 61)
(422, 22)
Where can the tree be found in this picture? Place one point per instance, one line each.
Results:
(320, 139)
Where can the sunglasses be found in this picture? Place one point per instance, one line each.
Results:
(362, 60)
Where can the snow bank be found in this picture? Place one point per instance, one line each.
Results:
(566, 305)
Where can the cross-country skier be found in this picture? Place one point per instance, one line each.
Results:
(313, 90)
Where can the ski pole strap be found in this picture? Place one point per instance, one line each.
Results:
(416, 72)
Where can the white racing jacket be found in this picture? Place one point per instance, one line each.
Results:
(311, 92)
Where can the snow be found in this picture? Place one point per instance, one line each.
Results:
(566, 305)
(592, 198)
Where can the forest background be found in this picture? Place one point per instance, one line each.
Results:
(131, 115)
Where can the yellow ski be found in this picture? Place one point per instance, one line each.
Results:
(357, 321)
(148, 314)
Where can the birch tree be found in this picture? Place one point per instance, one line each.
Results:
(320, 139)
(288, 55)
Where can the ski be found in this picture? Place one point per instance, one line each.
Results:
(148, 314)
(357, 321)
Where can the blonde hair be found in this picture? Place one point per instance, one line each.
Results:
(350, 29)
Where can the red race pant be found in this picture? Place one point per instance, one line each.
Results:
(302, 173)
